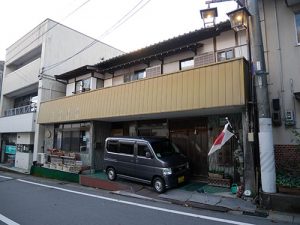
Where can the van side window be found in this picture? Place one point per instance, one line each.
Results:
(142, 149)
(112, 146)
(126, 148)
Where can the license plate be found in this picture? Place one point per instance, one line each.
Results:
(180, 179)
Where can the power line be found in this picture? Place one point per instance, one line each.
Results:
(46, 31)
(121, 21)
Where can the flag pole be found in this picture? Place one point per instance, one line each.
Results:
(233, 131)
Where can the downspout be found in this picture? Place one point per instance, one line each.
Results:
(280, 58)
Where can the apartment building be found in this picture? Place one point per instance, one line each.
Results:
(281, 32)
(181, 88)
(31, 63)
(1, 74)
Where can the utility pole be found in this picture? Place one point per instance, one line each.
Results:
(265, 134)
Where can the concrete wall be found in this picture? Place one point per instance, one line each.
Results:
(70, 89)
(25, 138)
(18, 123)
(28, 42)
(21, 78)
(49, 137)
(282, 58)
(68, 42)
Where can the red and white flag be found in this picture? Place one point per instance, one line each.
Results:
(221, 139)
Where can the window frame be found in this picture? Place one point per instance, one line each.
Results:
(186, 60)
(126, 143)
(226, 52)
(80, 132)
(81, 87)
(145, 145)
(134, 76)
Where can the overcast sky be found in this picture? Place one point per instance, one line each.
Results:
(158, 20)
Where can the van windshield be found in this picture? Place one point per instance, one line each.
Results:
(164, 148)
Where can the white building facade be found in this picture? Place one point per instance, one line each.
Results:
(31, 63)
(281, 36)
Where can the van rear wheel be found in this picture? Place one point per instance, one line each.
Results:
(111, 173)
(159, 185)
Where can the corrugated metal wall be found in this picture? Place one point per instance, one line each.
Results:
(217, 85)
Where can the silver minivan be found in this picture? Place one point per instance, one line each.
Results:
(152, 160)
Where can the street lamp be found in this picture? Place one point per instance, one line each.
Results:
(239, 19)
(209, 15)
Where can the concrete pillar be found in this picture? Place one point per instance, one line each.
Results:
(249, 169)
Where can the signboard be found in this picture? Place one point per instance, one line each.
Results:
(10, 149)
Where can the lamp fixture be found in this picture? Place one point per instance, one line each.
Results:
(239, 18)
(209, 15)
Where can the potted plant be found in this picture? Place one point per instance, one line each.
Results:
(287, 183)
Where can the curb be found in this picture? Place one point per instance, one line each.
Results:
(128, 194)
(284, 217)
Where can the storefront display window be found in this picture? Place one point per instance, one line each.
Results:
(9, 149)
(73, 137)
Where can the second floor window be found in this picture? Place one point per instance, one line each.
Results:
(297, 21)
(225, 55)
(186, 64)
(82, 85)
(137, 75)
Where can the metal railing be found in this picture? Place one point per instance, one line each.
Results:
(20, 110)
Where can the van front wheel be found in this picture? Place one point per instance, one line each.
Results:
(111, 173)
(159, 185)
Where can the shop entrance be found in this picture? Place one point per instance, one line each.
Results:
(191, 136)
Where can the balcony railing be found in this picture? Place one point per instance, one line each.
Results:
(20, 110)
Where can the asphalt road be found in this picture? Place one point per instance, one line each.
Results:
(27, 200)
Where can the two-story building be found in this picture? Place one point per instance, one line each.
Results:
(31, 63)
(281, 31)
(181, 88)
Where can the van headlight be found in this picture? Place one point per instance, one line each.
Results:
(167, 171)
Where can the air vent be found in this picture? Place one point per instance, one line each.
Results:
(204, 59)
(153, 71)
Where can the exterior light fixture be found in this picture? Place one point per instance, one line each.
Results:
(239, 19)
(209, 15)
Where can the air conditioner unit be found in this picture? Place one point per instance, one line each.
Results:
(41, 158)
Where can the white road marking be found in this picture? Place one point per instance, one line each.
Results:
(140, 205)
(6, 177)
(7, 220)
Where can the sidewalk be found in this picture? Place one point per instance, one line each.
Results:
(4, 167)
(223, 202)
(209, 202)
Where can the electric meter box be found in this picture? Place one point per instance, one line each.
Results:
(289, 118)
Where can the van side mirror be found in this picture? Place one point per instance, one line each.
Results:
(148, 155)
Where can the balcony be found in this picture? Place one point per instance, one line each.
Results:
(213, 88)
(20, 110)
(21, 78)
(18, 123)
